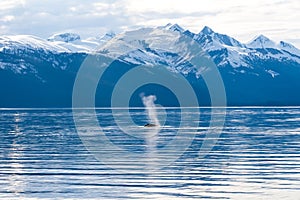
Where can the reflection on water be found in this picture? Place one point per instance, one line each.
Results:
(15, 182)
(256, 157)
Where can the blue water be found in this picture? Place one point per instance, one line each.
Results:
(257, 156)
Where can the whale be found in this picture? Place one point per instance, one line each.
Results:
(150, 125)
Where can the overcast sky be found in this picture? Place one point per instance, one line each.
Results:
(277, 19)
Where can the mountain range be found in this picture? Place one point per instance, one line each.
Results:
(36, 72)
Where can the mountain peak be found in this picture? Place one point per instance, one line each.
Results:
(174, 27)
(108, 36)
(214, 40)
(167, 26)
(262, 38)
(261, 41)
(64, 37)
(206, 30)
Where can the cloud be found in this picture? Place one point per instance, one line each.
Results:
(9, 4)
(170, 6)
(7, 18)
(278, 19)
(44, 18)
(242, 19)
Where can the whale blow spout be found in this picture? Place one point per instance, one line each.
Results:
(148, 102)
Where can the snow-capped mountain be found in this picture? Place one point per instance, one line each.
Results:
(225, 50)
(15, 50)
(73, 42)
(261, 72)
(64, 37)
(212, 40)
(148, 46)
(17, 42)
(173, 27)
(234, 53)
(108, 36)
(261, 42)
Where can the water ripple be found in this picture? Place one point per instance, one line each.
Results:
(256, 157)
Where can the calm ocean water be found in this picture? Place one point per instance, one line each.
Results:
(257, 156)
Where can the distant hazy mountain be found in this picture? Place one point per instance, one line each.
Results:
(40, 73)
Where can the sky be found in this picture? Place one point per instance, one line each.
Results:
(243, 20)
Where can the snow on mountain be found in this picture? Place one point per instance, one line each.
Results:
(206, 31)
(228, 51)
(289, 48)
(108, 36)
(211, 41)
(28, 42)
(264, 48)
(262, 42)
(63, 42)
(149, 45)
(77, 45)
(152, 47)
(140, 39)
(64, 37)
(100, 40)
(259, 73)
(173, 27)
(272, 73)
(74, 43)
(216, 40)
(142, 46)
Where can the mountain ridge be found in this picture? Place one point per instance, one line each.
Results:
(72, 37)
(261, 72)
